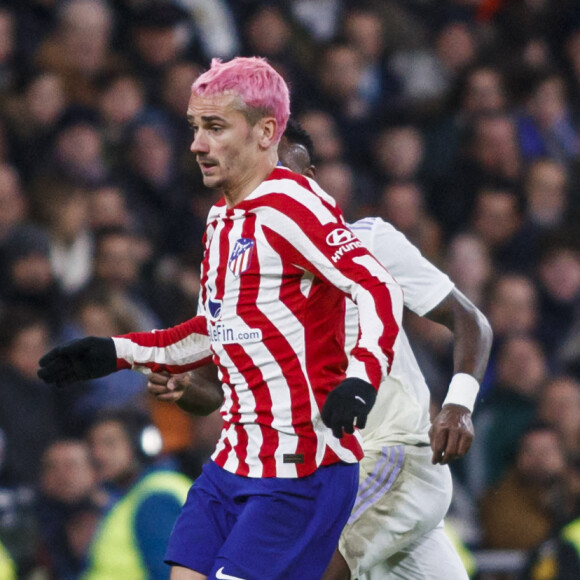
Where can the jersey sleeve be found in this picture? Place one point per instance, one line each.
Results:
(175, 350)
(311, 232)
(424, 286)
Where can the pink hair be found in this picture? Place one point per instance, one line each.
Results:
(262, 90)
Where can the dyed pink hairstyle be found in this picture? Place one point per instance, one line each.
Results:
(262, 90)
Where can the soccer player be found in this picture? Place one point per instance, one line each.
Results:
(278, 260)
(396, 527)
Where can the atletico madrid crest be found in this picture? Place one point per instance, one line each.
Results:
(241, 256)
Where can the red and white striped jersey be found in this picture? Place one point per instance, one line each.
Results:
(275, 273)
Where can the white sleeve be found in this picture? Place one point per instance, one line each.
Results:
(424, 285)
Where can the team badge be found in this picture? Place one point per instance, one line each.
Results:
(241, 256)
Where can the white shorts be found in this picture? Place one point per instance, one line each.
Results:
(395, 529)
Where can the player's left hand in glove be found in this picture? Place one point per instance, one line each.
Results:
(351, 400)
(78, 360)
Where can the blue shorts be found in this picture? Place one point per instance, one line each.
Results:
(276, 528)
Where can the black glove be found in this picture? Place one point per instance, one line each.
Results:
(79, 360)
(352, 399)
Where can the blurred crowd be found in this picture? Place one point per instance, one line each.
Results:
(458, 121)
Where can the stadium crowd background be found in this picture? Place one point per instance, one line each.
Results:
(458, 121)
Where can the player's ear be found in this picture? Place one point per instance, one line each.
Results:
(310, 171)
(267, 127)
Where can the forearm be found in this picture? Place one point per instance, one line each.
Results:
(202, 393)
(176, 350)
(472, 337)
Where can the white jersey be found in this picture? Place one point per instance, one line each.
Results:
(401, 412)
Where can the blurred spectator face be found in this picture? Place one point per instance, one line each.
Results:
(496, 145)
(455, 46)
(521, 365)
(67, 472)
(112, 452)
(12, 204)
(108, 208)
(159, 46)
(560, 405)
(31, 273)
(365, 31)
(337, 179)
(268, 33)
(116, 260)
(78, 149)
(548, 102)
(401, 205)
(513, 306)
(152, 154)
(27, 346)
(559, 274)
(340, 72)
(85, 29)
(484, 91)
(540, 459)
(121, 100)
(469, 264)
(324, 134)
(70, 217)
(98, 320)
(536, 53)
(44, 99)
(399, 152)
(496, 216)
(545, 190)
(177, 86)
(7, 36)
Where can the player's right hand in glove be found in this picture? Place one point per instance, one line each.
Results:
(351, 400)
(78, 360)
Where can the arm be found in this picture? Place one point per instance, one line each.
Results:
(310, 232)
(178, 349)
(429, 292)
(197, 392)
(452, 433)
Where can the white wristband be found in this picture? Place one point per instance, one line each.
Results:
(462, 390)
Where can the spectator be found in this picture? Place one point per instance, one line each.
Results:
(323, 130)
(29, 415)
(546, 128)
(69, 507)
(63, 208)
(559, 405)
(403, 205)
(132, 537)
(79, 48)
(546, 191)
(118, 261)
(498, 218)
(121, 100)
(32, 119)
(559, 279)
(29, 281)
(521, 510)
(364, 28)
(469, 265)
(399, 153)
(490, 154)
(160, 35)
(506, 412)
